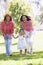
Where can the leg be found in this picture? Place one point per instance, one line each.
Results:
(31, 42)
(25, 51)
(20, 52)
(6, 43)
(31, 49)
(28, 42)
(8, 47)
(28, 49)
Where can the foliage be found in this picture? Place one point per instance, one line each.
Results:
(17, 8)
(15, 59)
(40, 17)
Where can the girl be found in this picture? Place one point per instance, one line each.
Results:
(21, 41)
(7, 28)
(26, 24)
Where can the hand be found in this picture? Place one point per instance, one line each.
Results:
(4, 35)
(27, 36)
(15, 37)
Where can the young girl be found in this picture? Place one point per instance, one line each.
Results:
(21, 41)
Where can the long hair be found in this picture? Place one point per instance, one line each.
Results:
(28, 17)
(6, 16)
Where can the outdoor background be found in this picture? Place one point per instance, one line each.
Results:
(33, 8)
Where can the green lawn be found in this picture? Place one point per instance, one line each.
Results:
(35, 59)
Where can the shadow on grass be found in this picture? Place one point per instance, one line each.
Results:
(3, 44)
(16, 56)
(14, 44)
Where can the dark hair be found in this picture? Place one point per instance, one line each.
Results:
(6, 16)
(28, 17)
(21, 29)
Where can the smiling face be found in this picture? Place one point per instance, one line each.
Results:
(8, 18)
(21, 32)
(24, 18)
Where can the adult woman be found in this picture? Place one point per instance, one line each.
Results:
(7, 27)
(26, 23)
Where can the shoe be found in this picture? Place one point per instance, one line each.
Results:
(10, 55)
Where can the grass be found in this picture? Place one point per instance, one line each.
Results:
(16, 56)
(35, 59)
(2, 44)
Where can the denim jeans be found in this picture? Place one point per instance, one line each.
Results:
(8, 45)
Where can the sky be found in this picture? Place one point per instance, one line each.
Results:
(41, 2)
(35, 8)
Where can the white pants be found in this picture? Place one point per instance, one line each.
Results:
(29, 39)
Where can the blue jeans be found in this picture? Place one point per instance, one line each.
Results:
(8, 46)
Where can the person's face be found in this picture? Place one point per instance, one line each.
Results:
(24, 18)
(22, 32)
(8, 18)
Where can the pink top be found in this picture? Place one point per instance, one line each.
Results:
(27, 26)
(7, 29)
(0, 26)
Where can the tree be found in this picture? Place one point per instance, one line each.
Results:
(19, 8)
(41, 15)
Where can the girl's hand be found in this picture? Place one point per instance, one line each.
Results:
(15, 37)
(27, 36)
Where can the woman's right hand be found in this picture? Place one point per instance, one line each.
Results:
(4, 35)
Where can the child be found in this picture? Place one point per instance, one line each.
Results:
(21, 41)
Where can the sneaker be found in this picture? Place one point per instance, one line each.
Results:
(10, 55)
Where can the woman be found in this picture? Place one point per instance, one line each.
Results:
(7, 27)
(26, 24)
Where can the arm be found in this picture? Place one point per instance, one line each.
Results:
(12, 28)
(25, 36)
(14, 36)
(31, 26)
(2, 29)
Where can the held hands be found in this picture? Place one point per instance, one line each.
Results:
(15, 37)
(25, 36)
